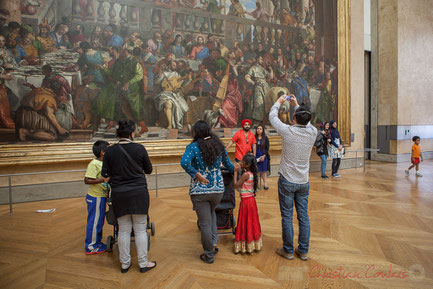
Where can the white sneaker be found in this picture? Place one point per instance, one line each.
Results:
(418, 174)
(406, 172)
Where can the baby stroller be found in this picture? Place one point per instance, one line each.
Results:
(112, 220)
(224, 210)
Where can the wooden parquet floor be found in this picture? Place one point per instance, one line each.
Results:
(368, 230)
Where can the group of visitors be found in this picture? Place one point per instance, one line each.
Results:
(125, 164)
(328, 143)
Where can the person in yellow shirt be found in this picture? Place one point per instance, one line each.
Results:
(96, 200)
(416, 156)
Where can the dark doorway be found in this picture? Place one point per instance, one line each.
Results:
(367, 103)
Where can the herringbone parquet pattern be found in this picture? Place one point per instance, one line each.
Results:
(367, 229)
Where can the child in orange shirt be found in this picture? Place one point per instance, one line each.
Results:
(416, 156)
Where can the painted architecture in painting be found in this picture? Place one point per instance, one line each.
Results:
(71, 68)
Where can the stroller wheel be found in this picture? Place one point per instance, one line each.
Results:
(110, 243)
(148, 222)
(152, 228)
(148, 242)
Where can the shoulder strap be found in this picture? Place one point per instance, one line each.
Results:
(134, 163)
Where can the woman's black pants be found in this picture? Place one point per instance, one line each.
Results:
(335, 165)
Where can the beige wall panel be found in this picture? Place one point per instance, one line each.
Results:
(415, 62)
(388, 66)
(404, 146)
(357, 73)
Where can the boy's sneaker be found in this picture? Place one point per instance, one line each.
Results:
(325, 177)
(406, 172)
(304, 257)
(101, 249)
(284, 254)
(336, 175)
(418, 174)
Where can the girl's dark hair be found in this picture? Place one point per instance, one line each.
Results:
(251, 161)
(208, 143)
(263, 143)
(126, 127)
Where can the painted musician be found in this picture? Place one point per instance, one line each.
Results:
(170, 101)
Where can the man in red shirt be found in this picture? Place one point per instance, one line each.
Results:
(244, 140)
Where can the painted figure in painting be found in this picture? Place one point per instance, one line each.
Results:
(236, 9)
(123, 97)
(43, 115)
(170, 102)
(200, 51)
(47, 42)
(257, 75)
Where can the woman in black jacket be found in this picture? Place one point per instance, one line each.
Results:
(323, 138)
(262, 154)
(125, 164)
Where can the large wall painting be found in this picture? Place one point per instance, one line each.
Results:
(71, 69)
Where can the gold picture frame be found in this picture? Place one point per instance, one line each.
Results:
(52, 153)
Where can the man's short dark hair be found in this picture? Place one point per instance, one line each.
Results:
(415, 138)
(280, 93)
(303, 114)
(99, 146)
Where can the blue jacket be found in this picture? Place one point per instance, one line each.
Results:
(192, 162)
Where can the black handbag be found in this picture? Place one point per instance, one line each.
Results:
(319, 144)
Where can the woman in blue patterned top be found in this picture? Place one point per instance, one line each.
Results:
(202, 160)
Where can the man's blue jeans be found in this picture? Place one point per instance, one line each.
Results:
(323, 165)
(287, 194)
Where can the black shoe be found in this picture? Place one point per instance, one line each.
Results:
(266, 187)
(145, 269)
(206, 259)
(125, 270)
(325, 177)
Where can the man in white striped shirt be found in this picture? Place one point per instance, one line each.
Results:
(293, 185)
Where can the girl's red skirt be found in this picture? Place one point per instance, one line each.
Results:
(248, 231)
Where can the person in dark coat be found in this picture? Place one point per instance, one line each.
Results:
(322, 141)
(262, 154)
(125, 165)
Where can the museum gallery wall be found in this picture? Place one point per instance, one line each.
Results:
(71, 69)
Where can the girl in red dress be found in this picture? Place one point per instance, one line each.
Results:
(248, 232)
